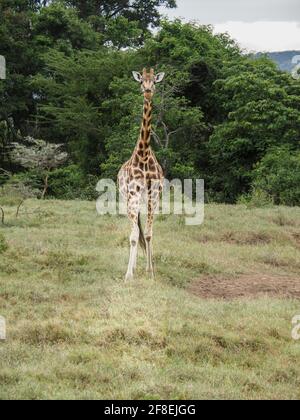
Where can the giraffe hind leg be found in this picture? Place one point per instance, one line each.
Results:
(153, 201)
(134, 239)
(148, 236)
(133, 214)
(149, 248)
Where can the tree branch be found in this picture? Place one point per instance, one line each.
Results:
(157, 138)
(3, 216)
(18, 208)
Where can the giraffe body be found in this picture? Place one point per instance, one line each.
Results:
(141, 180)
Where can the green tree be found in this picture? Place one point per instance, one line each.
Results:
(70, 101)
(41, 156)
(146, 12)
(25, 36)
(260, 109)
(278, 176)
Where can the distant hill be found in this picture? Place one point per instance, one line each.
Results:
(283, 59)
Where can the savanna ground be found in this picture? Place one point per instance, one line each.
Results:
(215, 323)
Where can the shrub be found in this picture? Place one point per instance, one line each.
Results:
(256, 199)
(30, 179)
(278, 176)
(71, 183)
(68, 183)
(3, 244)
(16, 191)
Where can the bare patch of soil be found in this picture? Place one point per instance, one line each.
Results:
(246, 238)
(296, 237)
(246, 286)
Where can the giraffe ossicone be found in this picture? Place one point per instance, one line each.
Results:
(141, 178)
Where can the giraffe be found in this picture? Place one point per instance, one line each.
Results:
(141, 179)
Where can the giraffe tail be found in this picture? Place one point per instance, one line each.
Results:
(142, 240)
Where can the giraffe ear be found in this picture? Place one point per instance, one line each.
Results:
(159, 77)
(137, 76)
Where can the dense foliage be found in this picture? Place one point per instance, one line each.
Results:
(219, 114)
(278, 175)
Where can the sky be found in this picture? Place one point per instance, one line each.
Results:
(257, 25)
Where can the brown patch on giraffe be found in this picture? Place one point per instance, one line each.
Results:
(136, 161)
(138, 173)
(152, 166)
(152, 175)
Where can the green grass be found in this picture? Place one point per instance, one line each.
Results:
(75, 330)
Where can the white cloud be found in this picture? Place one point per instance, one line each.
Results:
(264, 36)
(258, 25)
(219, 11)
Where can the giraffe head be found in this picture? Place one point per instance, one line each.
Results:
(148, 81)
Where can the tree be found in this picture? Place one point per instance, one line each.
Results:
(39, 155)
(260, 110)
(70, 101)
(69, 67)
(59, 27)
(278, 176)
(28, 30)
(176, 123)
(146, 12)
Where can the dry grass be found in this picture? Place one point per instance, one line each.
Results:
(76, 331)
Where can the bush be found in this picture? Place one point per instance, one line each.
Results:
(256, 199)
(67, 183)
(71, 183)
(16, 191)
(31, 180)
(278, 176)
(3, 244)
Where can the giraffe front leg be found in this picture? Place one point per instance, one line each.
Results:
(133, 208)
(149, 247)
(153, 201)
(134, 240)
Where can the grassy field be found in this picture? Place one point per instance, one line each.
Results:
(201, 329)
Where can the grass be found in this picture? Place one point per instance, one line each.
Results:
(76, 331)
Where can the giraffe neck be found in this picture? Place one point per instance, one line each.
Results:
(145, 136)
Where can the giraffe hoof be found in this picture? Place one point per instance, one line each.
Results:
(150, 274)
(129, 277)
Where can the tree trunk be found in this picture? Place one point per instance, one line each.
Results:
(2, 216)
(18, 208)
(46, 186)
